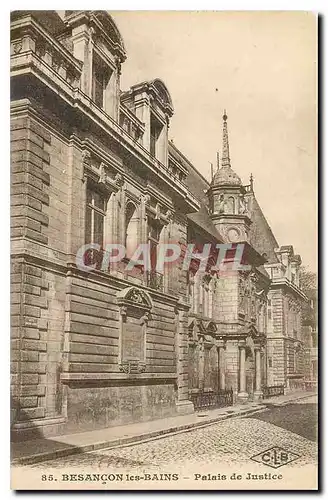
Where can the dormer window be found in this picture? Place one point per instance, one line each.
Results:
(156, 128)
(101, 74)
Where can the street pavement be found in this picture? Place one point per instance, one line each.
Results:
(291, 427)
(300, 417)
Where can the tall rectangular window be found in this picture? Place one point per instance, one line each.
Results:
(155, 279)
(100, 78)
(95, 215)
(154, 230)
(155, 131)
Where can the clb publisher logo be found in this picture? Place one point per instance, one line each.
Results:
(275, 457)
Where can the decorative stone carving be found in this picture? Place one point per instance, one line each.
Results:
(123, 310)
(243, 205)
(86, 157)
(157, 211)
(221, 209)
(132, 366)
(91, 33)
(168, 215)
(71, 78)
(17, 47)
(135, 296)
(55, 63)
(102, 174)
(119, 180)
(145, 318)
(144, 198)
(40, 48)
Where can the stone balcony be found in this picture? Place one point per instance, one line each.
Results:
(131, 124)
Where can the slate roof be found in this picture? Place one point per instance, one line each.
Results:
(226, 176)
(261, 236)
(198, 186)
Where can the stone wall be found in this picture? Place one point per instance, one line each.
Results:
(66, 323)
(232, 366)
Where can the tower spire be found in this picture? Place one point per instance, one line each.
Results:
(225, 158)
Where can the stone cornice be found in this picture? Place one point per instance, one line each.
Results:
(286, 284)
(116, 378)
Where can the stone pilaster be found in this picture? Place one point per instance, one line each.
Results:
(242, 394)
(201, 362)
(258, 394)
(183, 405)
(221, 355)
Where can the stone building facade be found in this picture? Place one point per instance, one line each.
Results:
(310, 336)
(103, 346)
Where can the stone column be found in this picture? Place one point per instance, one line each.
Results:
(258, 382)
(242, 395)
(221, 356)
(183, 405)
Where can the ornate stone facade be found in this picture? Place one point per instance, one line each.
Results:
(112, 345)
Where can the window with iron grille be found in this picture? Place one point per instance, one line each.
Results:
(155, 279)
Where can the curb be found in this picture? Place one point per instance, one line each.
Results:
(152, 435)
(129, 440)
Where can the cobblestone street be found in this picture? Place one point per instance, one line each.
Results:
(236, 439)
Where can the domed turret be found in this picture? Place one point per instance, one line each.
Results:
(227, 197)
(226, 176)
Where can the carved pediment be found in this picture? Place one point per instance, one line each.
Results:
(133, 296)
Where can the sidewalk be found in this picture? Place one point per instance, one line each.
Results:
(287, 398)
(39, 450)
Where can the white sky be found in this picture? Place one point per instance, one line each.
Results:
(264, 67)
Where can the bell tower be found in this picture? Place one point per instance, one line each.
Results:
(228, 203)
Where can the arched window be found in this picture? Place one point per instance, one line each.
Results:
(131, 228)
